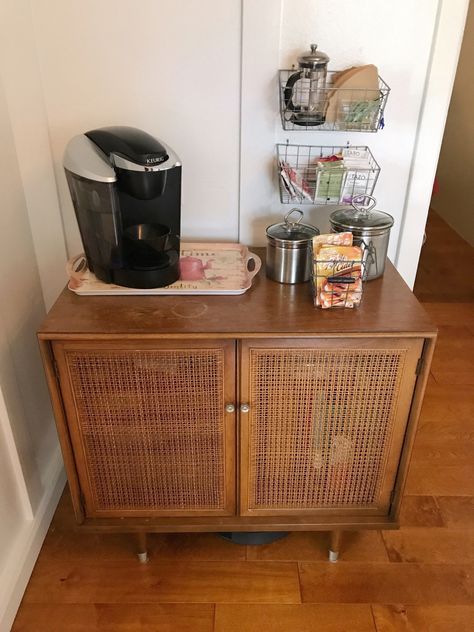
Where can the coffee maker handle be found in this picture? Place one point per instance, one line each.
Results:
(288, 91)
(174, 242)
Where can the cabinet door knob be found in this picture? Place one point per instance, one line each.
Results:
(229, 408)
(244, 408)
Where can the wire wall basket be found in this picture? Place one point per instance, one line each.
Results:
(331, 109)
(310, 174)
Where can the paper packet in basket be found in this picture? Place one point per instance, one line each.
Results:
(338, 276)
(326, 239)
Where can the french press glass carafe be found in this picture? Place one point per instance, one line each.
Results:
(305, 90)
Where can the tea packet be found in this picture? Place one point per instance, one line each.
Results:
(338, 276)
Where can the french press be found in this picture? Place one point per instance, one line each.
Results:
(305, 90)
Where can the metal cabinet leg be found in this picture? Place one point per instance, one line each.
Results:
(335, 545)
(142, 552)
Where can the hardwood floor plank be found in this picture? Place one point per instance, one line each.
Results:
(440, 480)
(444, 403)
(457, 511)
(435, 546)
(443, 247)
(75, 545)
(456, 335)
(398, 618)
(294, 618)
(449, 313)
(71, 545)
(455, 378)
(360, 546)
(420, 511)
(455, 431)
(64, 541)
(166, 582)
(453, 360)
(455, 330)
(357, 582)
(451, 432)
(206, 547)
(115, 618)
(442, 446)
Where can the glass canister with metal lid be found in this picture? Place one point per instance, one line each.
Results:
(289, 250)
(371, 231)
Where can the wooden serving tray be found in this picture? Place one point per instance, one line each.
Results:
(206, 268)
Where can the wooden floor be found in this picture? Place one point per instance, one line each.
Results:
(418, 579)
(446, 267)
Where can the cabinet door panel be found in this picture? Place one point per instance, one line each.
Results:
(326, 423)
(148, 425)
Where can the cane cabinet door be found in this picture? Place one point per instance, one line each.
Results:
(149, 427)
(325, 423)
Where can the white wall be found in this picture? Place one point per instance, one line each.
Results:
(29, 454)
(170, 68)
(439, 81)
(178, 70)
(23, 93)
(414, 45)
(32, 255)
(21, 312)
(397, 38)
(12, 507)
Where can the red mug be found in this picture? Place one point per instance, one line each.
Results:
(192, 269)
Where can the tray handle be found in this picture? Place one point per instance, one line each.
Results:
(257, 263)
(75, 269)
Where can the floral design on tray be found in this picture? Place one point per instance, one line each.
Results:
(206, 268)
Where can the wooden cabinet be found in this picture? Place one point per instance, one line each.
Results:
(148, 425)
(243, 413)
(326, 423)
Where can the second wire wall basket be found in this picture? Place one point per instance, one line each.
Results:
(313, 174)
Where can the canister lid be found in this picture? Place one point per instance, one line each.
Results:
(292, 230)
(358, 217)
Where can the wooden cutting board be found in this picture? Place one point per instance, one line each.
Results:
(352, 85)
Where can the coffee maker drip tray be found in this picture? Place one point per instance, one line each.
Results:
(149, 270)
(152, 261)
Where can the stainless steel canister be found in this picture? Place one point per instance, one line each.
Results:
(371, 230)
(289, 252)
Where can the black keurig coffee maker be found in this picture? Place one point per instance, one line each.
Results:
(126, 190)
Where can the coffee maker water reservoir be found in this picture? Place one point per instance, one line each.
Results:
(126, 190)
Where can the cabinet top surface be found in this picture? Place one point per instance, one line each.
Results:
(266, 309)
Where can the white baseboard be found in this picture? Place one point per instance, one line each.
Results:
(16, 573)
